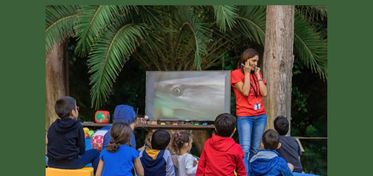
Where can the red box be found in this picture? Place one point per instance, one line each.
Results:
(102, 116)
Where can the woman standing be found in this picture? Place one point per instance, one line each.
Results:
(249, 89)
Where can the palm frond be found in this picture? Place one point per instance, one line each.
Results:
(225, 16)
(312, 13)
(108, 57)
(94, 21)
(309, 47)
(60, 23)
(251, 23)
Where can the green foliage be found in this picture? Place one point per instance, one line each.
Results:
(172, 37)
(310, 47)
(225, 16)
(108, 57)
(60, 24)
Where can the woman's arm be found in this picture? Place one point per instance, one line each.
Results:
(99, 168)
(262, 86)
(138, 167)
(244, 87)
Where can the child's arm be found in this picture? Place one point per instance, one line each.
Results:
(138, 167)
(201, 164)
(240, 167)
(191, 167)
(170, 169)
(291, 167)
(81, 140)
(284, 167)
(99, 168)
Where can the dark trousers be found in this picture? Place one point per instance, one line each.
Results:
(89, 156)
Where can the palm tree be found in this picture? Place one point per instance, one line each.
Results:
(169, 38)
(60, 23)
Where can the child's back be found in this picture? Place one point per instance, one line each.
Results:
(157, 161)
(267, 162)
(122, 113)
(290, 149)
(66, 142)
(221, 155)
(118, 158)
(185, 163)
(68, 133)
(120, 162)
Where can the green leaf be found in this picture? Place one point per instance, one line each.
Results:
(108, 57)
(309, 47)
(225, 16)
(94, 21)
(60, 21)
(251, 23)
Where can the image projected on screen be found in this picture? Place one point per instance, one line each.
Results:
(187, 95)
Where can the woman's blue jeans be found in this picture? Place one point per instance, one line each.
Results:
(250, 130)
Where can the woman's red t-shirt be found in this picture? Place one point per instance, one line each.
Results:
(251, 105)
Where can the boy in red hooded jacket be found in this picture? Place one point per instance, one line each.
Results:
(221, 155)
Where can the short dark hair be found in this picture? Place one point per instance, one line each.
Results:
(270, 139)
(64, 106)
(281, 124)
(160, 139)
(225, 124)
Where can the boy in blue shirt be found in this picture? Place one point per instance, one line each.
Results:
(267, 162)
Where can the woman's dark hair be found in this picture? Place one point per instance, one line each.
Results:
(247, 54)
(120, 134)
(225, 124)
(64, 106)
(180, 138)
(160, 139)
(281, 124)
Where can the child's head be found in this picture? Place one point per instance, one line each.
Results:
(125, 113)
(281, 124)
(120, 134)
(225, 124)
(66, 107)
(271, 140)
(182, 140)
(160, 139)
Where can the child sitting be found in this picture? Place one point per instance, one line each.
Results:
(185, 163)
(66, 143)
(157, 159)
(290, 149)
(126, 114)
(221, 155)
(118, 158)
(267, 162)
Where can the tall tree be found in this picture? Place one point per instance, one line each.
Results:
(278, 60)
(60, 22)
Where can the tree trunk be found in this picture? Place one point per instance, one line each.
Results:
(278, 60)
(56, 80)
